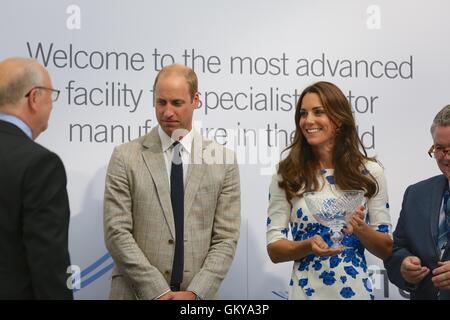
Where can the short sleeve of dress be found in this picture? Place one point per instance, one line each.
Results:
(278, 213)
(379, 218)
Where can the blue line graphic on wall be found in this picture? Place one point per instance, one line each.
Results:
(85, 281)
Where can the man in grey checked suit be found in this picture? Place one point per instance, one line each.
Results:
(139, 222)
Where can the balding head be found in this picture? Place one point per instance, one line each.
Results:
(180, 70)
(17, 77)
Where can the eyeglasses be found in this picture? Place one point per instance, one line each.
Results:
(438, 151)
(54, 92)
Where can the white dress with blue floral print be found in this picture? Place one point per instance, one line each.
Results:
(343, 276)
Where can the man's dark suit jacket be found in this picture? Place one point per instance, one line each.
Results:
(34, 219)
(416, 234)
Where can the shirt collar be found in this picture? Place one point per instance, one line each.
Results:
(17, 122)
(166, 141)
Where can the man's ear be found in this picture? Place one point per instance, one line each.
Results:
(196, 100)
(33, 100)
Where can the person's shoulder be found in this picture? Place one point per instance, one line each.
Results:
(426, 183)
(39, 157)
(39, 151)
(213, 145)
(208, 142)
(374, 166)
(135, 144)
(276, 177)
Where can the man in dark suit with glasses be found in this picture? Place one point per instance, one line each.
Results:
(34, 206)
(420, 260)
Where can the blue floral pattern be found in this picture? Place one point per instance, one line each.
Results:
(367, 284)
(347, 292)
(351, 271)
(317, 265)
(303, 282)
(334, 261)
(330, 179)
(328, 277)
(299, 213)
(383, 228)
(343, 276)
(309, 292)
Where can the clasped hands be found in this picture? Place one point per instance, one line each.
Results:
(413, 272)
(178, 295)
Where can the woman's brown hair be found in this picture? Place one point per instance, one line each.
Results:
(299, 169)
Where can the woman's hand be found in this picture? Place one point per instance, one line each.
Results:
(320, 248)
(355, 221)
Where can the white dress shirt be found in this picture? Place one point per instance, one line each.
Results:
(185, 150)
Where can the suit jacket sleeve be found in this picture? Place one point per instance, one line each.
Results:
(400, 249)
(224, 236)
(146, 281)
(46, 217)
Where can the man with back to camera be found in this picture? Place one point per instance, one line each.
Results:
(171, 219)
(420, 260)
(34, 206)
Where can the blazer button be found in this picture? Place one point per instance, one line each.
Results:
(171, 241)
(167, 272)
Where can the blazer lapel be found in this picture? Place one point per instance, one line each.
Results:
(437, 190)
(195, 172)
(154, 160)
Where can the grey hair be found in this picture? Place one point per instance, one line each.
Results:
(442, 119)
(15, 88)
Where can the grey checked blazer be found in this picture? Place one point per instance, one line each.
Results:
(139, 226)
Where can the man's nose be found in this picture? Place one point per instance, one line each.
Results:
(168, 111)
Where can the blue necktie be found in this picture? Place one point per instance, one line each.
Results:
(177, 199)
(444, 227)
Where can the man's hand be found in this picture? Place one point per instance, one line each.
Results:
(441, 275)
(184, 295)
(178, 295)
(412, 270)
(167, 296)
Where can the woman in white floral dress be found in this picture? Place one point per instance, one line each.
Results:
(327, 155)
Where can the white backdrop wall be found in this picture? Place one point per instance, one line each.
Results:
(390, 57)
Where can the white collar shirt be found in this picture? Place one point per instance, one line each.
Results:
(167, 148)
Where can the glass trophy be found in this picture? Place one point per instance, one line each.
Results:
(331, 210)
